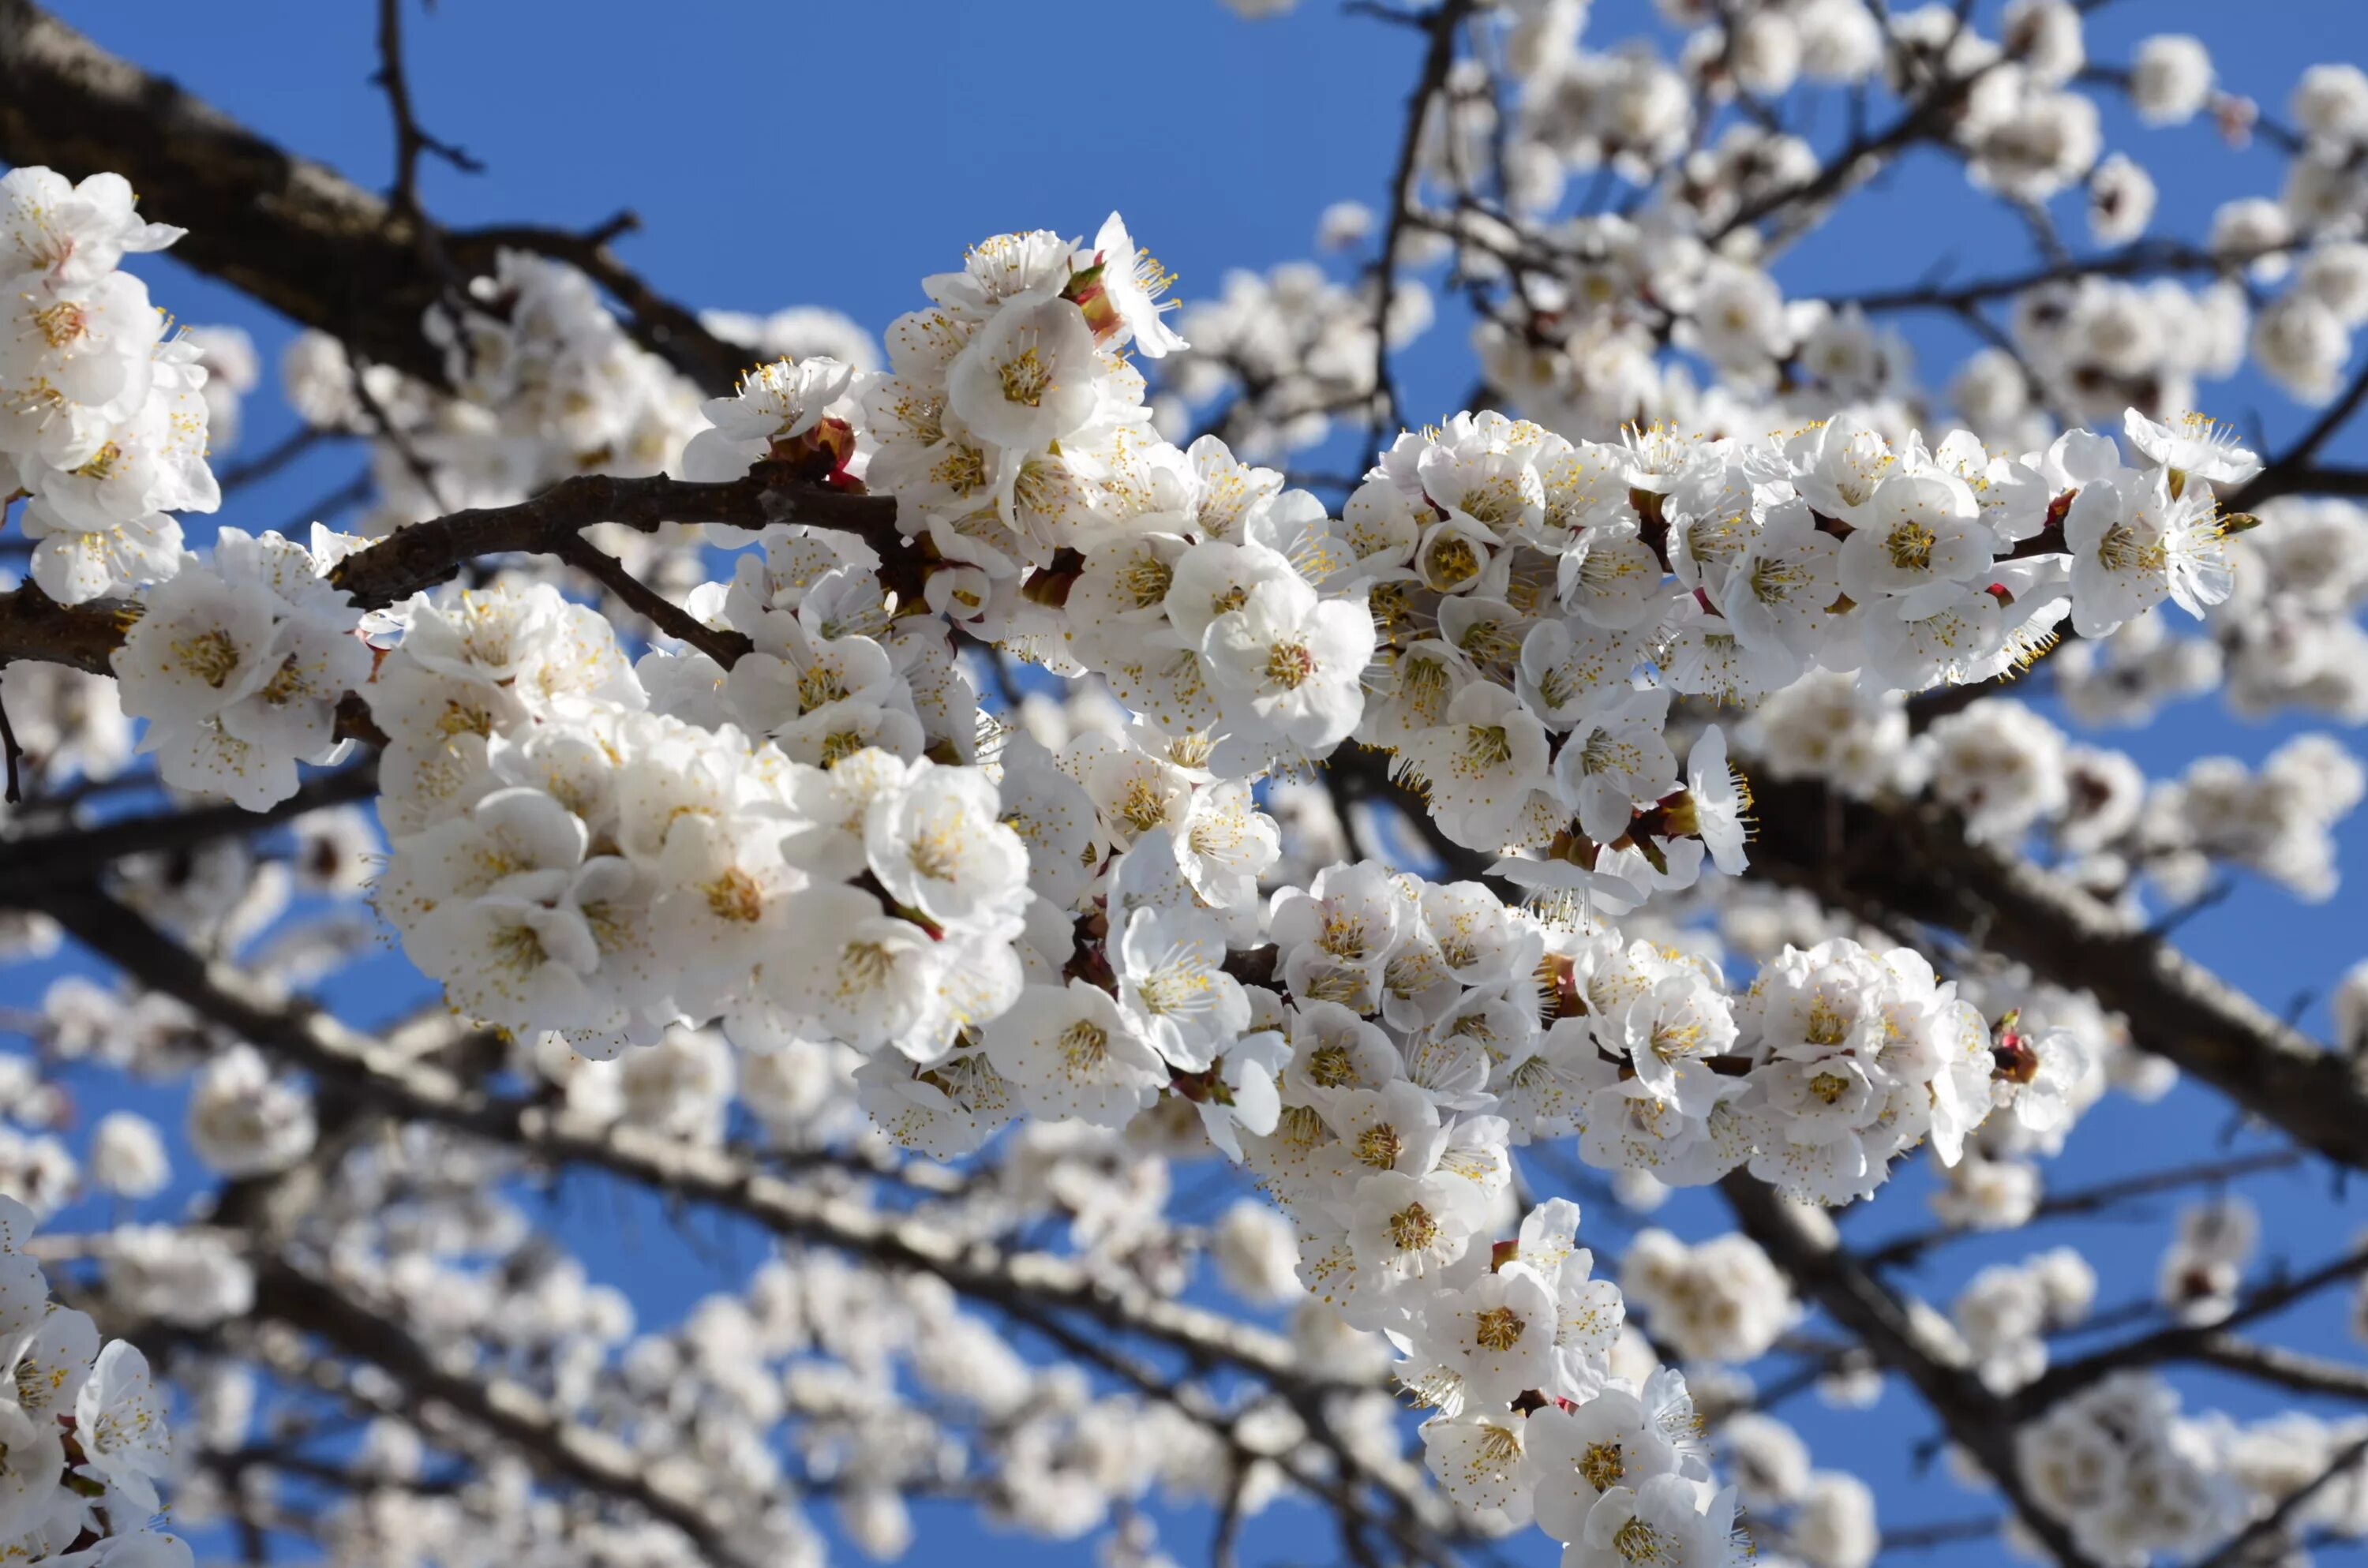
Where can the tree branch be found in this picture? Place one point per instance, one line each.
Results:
(292, 232)
(2184, 1341)
(2287, 1368)
(511, 1411)
(407, 1087)
(37, 863)
(1976, 1418)
(410, 139)
(35, 627)
(1913, 857)
(1439, 57)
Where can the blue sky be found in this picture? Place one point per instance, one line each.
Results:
(787, 153)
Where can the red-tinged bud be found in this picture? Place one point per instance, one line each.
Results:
(1084, 291)
(2000, 592)
(821, 455)
(1501, 1253)
(2013, 1060)
(2057, 508)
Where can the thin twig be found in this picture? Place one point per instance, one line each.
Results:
(410, 139)
(1439, 57)
(722, 645)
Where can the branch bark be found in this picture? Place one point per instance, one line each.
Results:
(560, 1450)
(1913, 857)
(292, 232)
(35, 627)
(1976, 1418)
(407, 1087)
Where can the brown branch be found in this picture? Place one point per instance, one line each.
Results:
(664, 327)
(35, 627)
(427, 553)
(2184, 1342)
(2089, 1200)
(1857, 158)
(1976, 1418)
(411, 139)
(2137, 261)
(1943, 1532)
(1913, 857)
(37, 863)
(2285, 474)
(291, 233)
(351, 1061)
(1439, 57)
(721, 644)
(511, 1411)
(14, 755)
(263, 465)
(2285, 1368)
(2291, 1504)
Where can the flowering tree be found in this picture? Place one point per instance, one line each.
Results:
(913, 806)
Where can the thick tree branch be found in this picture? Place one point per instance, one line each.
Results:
(2184, 1342)
(38, 862)
(407, 1087)
(517, 1415)
(292, 232)
(1913, 857)
(1976, 1418)
(35, 627)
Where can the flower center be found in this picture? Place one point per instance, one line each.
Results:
(1488, 746)
(735, 896)
(1910, 547)
(1026, 377)
(935, 854)
(1289, 665)
(1412, 1228)
(864, 966)
(1603, 1465)
(1083, 1046)
(518, 949)
(210, 655)
(61, 323)
(1145, 580)
(1639, 1542)
(1330, 1067)
(1499, 1329)
(1453, 561)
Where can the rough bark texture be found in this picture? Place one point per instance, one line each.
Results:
(1912, 858)
(295, 233)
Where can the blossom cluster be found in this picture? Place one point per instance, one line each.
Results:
(822, 859)
(83, 1439)
(102, 414)
(238, 662)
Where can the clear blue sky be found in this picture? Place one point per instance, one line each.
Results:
(789, 153)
